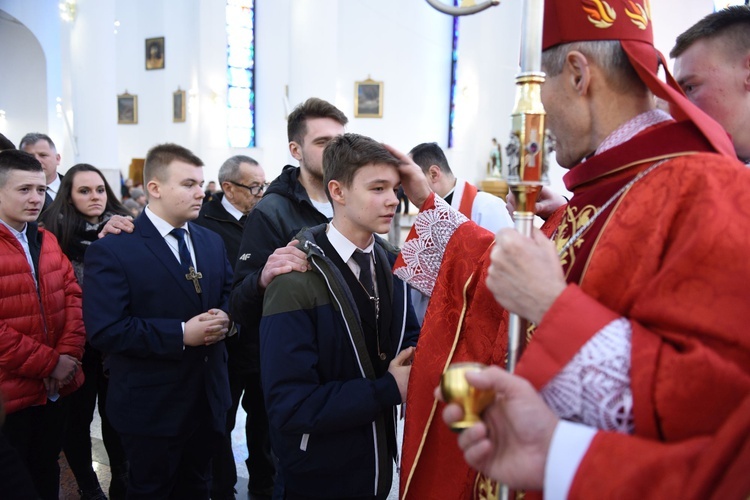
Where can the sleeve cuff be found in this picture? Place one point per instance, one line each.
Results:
(570, 443)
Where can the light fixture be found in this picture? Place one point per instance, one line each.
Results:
(67, 10)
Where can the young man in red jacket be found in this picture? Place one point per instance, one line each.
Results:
(41, 328)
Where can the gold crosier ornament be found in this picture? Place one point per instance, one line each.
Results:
(527, 150)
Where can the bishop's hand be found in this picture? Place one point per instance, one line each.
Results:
(511, 442)
(525, 275)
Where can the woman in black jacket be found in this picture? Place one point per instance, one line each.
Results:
(83, 205)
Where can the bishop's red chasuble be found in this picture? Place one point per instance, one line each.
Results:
(657, 232)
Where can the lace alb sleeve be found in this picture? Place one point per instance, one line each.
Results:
(423, 251)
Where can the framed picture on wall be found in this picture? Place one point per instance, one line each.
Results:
(155, 53)
(178, 105)
(368, 99)
(127, 108)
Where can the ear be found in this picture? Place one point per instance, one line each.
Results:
(295, 150)
(434, 173)
(746, 69)
(228, 189)
(337, 192)
(154, 189)
(579, 71)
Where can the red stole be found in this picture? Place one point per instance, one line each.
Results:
(467, 199)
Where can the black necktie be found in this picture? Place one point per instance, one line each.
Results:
(365, 274)
(243, 219)
(185, 259)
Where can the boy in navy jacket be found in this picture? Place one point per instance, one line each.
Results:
(337, 341)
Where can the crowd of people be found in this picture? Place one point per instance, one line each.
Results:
(283, 298)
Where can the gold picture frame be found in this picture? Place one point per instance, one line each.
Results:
(155, 56)
(127, 108)
(368, 99)
(178, 105)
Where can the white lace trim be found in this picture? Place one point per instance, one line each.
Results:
(594, 387)
(423, 255)
(632, 127)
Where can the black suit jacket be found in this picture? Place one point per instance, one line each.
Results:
(136, 298)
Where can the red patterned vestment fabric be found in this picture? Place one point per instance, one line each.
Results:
(670, 256)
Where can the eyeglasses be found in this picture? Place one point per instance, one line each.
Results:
(254, 190)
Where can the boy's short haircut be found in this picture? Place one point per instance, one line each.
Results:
(296, 126)
(159, 157)
(347, 153)
(429, 153)
(13, 159)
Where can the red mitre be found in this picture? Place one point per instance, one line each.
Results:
(629, 22)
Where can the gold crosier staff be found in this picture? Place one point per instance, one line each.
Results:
(529, 144)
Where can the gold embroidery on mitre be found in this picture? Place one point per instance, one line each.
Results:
(639, 15)
(600, 13)
(485, 488)
(572, 221)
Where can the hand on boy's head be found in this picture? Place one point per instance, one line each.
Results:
(413, 180)
(117, 224)
(283, 260)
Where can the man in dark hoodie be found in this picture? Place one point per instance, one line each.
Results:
(294, 200)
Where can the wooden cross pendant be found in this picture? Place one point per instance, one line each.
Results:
(194, 277)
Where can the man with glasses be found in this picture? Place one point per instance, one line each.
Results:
(243, 183)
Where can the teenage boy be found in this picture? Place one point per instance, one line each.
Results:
(41, 330)
(155, 302)
(337, 341)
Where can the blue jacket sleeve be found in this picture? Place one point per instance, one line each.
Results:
(297, 399)
(106, 310)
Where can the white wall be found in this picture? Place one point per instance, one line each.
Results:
(304, 49)
(20, 96)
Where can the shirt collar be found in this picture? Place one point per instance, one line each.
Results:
(230, 208)
(160, 224)
(343, 246)
(54, 186)
(17, 234)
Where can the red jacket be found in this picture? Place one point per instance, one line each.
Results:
(33, 332)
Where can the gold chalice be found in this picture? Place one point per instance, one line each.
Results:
(455, 389)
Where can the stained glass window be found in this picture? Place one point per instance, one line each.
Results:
(241, 73)
(454, 64)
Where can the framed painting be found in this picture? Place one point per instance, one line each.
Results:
(178, 105)
(155, 53)
(127, 108)
(368, 99)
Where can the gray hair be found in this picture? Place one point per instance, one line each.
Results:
(606, 54)
(230, 169)
(34, 137)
